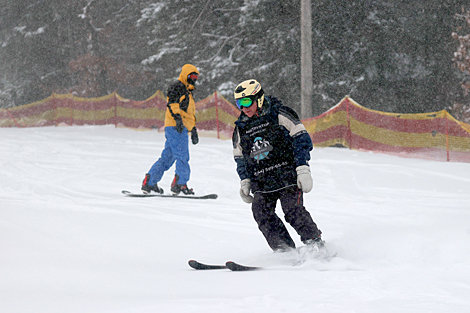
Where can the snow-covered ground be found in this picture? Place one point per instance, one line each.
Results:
(71, 242)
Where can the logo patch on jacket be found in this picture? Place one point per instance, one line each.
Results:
(260, 149)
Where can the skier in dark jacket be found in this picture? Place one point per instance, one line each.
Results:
(272, 150)
(180, 118)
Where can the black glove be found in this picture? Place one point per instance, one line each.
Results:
(194, 136)
(179, 123)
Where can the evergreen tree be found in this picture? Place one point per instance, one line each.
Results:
(461, 109)
(389, 55)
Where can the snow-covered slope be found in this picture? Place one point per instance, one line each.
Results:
(70, 242)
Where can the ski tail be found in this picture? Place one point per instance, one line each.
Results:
(238, 267)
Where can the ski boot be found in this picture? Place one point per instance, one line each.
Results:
(177, 188)
(314, 248)
(146, 188)
(316, 243)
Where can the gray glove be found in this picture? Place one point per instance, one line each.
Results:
(304, 178)
(245, 186)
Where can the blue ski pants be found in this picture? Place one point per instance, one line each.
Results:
(176, 149)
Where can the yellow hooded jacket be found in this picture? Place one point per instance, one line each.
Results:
(180, 99)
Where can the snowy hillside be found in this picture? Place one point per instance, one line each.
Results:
(71, 242)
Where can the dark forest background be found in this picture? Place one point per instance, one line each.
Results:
(388, 55)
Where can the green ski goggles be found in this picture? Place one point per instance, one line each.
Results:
(244, 102)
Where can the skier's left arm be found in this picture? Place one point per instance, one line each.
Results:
(302, 146)
(301, 139)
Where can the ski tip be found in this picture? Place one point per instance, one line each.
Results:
(193, 263)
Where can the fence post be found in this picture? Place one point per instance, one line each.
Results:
(217, 114)
(54, 108)
(72, 105)
(349, 125)
(13, 118)
(447, 137)
(115, 109)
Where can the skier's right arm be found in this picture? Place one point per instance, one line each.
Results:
(238, 156)
(245, 181)
(175, 97)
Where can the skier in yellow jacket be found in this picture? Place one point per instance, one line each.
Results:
(179, 120)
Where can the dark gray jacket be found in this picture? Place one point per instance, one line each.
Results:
(270, 145)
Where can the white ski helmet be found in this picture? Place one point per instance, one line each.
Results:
(248, 92)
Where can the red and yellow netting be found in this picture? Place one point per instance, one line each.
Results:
(217, 114)
(435, 136)
(214, 113)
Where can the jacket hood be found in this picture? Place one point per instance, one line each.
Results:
(185, 71)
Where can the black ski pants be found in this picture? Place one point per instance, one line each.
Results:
(272, 227)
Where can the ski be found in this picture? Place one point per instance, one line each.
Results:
(239, 268)
(201, 266)
(229, 265)
(144, 195)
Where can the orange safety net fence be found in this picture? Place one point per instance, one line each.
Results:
(214, 113)
(217, 114)
(433, 136)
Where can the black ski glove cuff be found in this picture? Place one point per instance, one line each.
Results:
(179, 123)
(194, 136)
